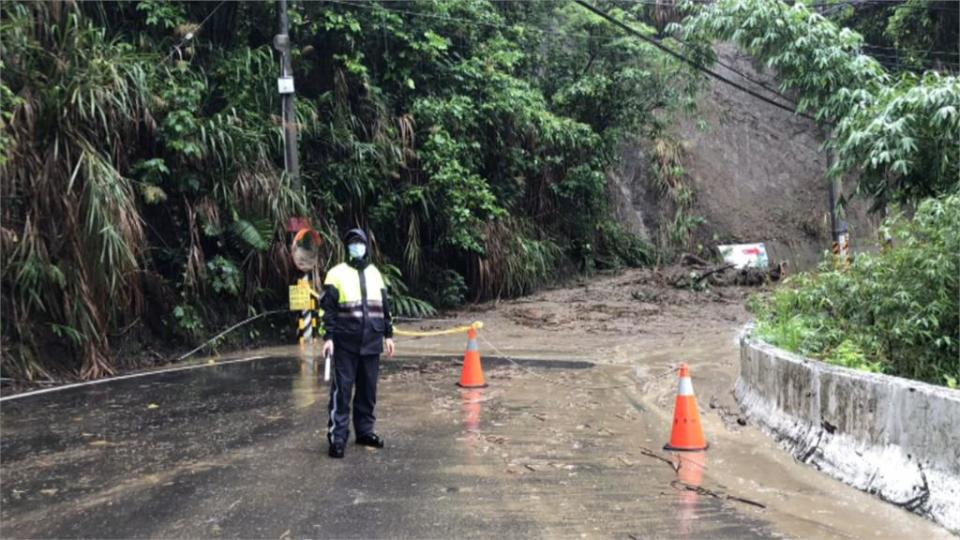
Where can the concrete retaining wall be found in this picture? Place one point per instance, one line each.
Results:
(895, 438)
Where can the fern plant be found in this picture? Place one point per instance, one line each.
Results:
(401, 303)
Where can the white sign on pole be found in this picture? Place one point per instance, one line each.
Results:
(744, 255)
(285, 85)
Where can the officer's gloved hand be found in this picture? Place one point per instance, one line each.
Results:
(328, 347)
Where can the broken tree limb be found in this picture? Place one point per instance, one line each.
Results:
(696, 277)
(715, 270)
(689, 259)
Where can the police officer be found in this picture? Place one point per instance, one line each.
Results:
(357, 322)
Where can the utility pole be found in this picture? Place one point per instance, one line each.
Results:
(281, 42)
(833, 195)
(838, 229)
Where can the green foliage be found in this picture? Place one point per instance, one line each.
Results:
(913, 28)
(8, 102)
(850, 354)
(256, 236)
(224, 276)
(896, 134)
(904, 36)
(897, 311)
(904, 142)
(162, 14)
(514, 263)
(401, 303)
(152, 173)
(81, 96)
(188, 320)
(670, 182)
(618, 248)
(471, 138)
(450, 289)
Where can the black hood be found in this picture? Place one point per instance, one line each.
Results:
(354, 234)
(357, 234)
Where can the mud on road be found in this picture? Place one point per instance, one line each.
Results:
(636, 323)
(552, 448)
(236, 450)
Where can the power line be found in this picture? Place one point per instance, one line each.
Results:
(899, 63)
(548, 32)
(761, 84)
(881, 47)
(733, 69)
(877, 3)
(191, 35)
(692, 63)
(628, 29)
(928, 61)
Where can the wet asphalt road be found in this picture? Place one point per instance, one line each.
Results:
(237, 450)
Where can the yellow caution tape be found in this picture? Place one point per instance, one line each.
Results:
(459, 329)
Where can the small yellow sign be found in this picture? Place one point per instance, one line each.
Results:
(300, 298)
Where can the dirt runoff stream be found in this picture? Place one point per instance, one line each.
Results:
(642, 329)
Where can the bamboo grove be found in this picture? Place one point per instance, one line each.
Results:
(144, 198)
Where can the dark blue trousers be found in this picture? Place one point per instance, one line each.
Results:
(351, 369)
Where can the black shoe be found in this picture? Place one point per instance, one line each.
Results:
(370, 439)
(335, 450)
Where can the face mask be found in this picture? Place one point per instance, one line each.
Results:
(357, 251)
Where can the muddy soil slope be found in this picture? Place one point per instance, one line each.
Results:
(758, 174)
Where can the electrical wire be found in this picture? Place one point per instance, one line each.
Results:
(733, 69)
(889, 3)
(557, 382)
(193, 34)
(789, 105)
(629, 30)
(881, 47)
(696, 65)
(231, 329)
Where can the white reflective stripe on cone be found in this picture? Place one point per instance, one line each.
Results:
(686, 387)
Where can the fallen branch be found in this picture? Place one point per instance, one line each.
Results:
(715, 270)
(699, 490)
(659, 457)
(689, 259)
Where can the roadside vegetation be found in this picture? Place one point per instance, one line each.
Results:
(142, 167)
(141, 159)
(895, 311)
(898, 136)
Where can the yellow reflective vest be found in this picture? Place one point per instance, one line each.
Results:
(356, 308)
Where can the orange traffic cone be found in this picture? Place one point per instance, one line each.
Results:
(687, 432)
(472, 374)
